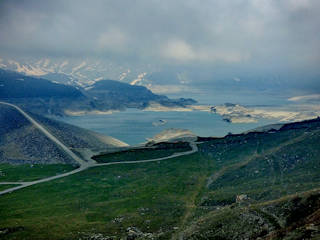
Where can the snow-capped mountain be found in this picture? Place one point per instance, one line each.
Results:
(83, 72)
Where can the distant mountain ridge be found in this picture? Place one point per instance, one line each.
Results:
(47, 97)
(170, 79)
(15, 85)
(77, 72)
(110, 92)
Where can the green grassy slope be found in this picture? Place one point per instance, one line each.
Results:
(292, 217)
(6, 186)
(26, 172)
(193, 196)
(280, 164)
(106, 200)
(157, 151)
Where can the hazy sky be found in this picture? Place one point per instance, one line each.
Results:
(253, 33)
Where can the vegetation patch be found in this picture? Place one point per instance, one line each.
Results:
(108, 200)
(158, 150)
(31, 172)
(6, 186)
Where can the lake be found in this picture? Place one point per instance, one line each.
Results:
(134, 126)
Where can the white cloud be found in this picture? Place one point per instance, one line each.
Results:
(171, 89)
(229, 56)
(305, 98)
(183, 78)
(298, 4)
(284, 33)
(178, 49)
(113, 39)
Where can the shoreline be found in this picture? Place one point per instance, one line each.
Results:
(232, 113)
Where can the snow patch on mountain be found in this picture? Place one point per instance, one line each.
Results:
(124, 75)
(46, 62)
(75, 69)
(28, 70)
(138, 79)
(79, 72)
(65, 63)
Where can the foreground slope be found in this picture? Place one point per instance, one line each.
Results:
(245, 186)
(76, 137)
(291, 217)
(264, 191)
(22, 142)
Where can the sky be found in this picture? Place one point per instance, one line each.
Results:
(241, 36)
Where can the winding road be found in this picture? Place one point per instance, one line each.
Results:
(83, 165)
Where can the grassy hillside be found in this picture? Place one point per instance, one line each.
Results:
(106, 200)
(265, 169)
(6, 186)
(26, 172)
(291, 217)
(274, 174)
(265, 165)
(156, 151)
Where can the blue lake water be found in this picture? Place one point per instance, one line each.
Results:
(134, 126)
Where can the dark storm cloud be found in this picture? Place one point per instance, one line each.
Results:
(276, 32)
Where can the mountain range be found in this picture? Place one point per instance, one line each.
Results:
(51, 97)
(81, 72)
(163, 80)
